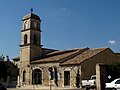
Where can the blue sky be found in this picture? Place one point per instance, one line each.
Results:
(65, 23)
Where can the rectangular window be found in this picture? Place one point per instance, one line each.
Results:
(66, 78)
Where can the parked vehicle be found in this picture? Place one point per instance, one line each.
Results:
(114, 85)
(2, 87)
(89, 83)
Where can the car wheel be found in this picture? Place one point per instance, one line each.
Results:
(113, 89)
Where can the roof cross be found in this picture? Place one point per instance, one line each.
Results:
(31, 10)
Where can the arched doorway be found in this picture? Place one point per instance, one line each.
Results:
(36, 76)
(24, 76)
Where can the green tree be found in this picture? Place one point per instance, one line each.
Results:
(114, 70)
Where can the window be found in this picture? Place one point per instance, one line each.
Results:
(25, 39)
(117, 82)
(35, 39)
(24, 74)
(25, 25)
(66, 78)
(37, 76)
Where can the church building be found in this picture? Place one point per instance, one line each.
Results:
(41, 66)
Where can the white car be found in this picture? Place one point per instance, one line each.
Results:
(89, 83)
(114, 85)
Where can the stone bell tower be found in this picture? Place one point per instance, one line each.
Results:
(30, 47)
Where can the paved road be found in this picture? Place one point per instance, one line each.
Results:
(42, 89)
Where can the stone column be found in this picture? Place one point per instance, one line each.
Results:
(101, 76)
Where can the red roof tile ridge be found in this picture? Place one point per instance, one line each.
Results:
(63, 51)
(60, 57)
(84, 56)
(53, 56)
(93, 52)
(98, 48)
(76, 53)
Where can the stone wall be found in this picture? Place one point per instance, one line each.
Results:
(46, 75)
(89, 66)
(101, 76)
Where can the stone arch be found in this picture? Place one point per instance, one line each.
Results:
(24, 76)
(25, 39)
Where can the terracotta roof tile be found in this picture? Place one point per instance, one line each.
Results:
(84, 56)
(59, 56)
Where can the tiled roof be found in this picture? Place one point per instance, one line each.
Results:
(84, 56)
(60, 56)
(31, 15)
(68, 57)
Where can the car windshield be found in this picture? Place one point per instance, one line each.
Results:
(93, 77)
(2, 87)
(117, 82)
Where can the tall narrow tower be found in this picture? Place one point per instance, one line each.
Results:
(30, 47)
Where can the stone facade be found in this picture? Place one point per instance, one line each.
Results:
(105, 57)
(60, 70)
(35, 61)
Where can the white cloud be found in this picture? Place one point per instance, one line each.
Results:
(61, 10)
(112, 42)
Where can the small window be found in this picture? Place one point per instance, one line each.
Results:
(117, 82)
(35, 39)
(25, 39)
(25, 25)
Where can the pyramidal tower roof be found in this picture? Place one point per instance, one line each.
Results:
(31, 15)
